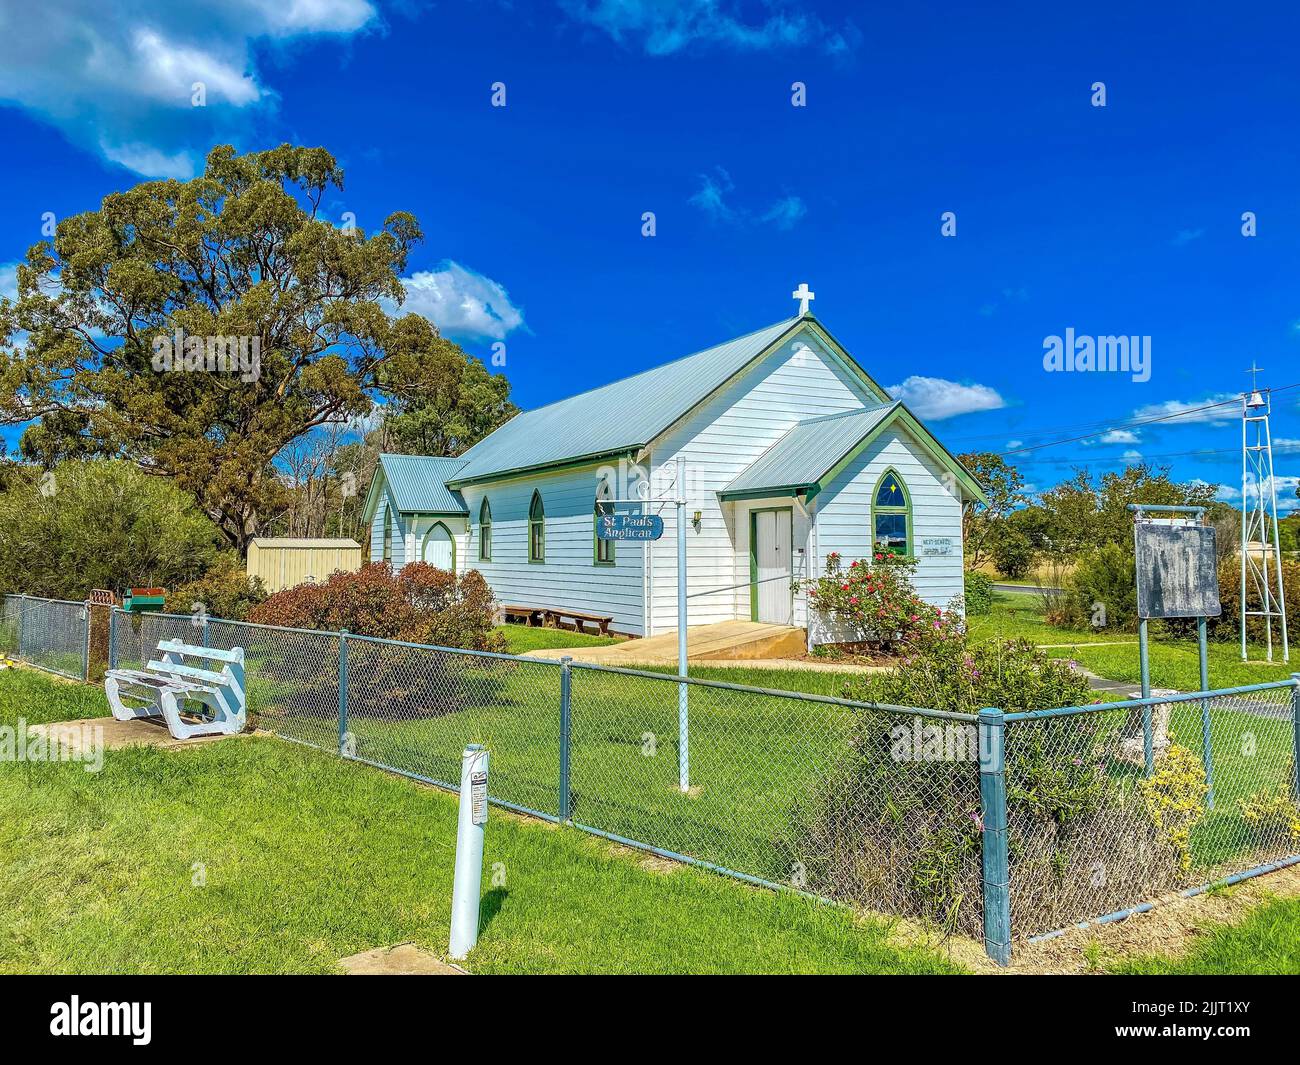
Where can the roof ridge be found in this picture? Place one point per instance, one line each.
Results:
(848, 413)
(664, 365)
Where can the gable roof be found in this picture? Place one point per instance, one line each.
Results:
(418, 484)
(626, 415)
(814, 451)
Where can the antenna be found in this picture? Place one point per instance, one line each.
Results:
(1261, 559)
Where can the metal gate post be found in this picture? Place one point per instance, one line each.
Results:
(993, 810)
(343, 693)
(566, 728)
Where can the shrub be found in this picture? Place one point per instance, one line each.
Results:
(979, 593)
(871, 604)
(1272, 815)
(1175, 798)
(1102, 589)
(897, 825)
(418, 604)
(100, 524)
(1227, 625)
(225, 591)
(1012, 551)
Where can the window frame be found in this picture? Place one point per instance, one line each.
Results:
(904, 509)
(603, 504)
(388, 537)
(485, 531)
(537, 521)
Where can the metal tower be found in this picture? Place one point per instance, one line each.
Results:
(1259, 521)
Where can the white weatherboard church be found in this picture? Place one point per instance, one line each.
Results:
(792, 452)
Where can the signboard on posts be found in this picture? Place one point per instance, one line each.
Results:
(630, 527)
(1176, 572)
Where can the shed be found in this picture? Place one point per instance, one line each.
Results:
(283, 562)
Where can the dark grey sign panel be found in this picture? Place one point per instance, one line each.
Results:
(1176, 572)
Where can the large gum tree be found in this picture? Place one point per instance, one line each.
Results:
(240, 251)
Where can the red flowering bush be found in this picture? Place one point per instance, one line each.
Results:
(872, 602)
(387, 682)
(418, 604)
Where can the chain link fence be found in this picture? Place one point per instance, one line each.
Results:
(51, 634)
(1113, 805)
(1005, 826)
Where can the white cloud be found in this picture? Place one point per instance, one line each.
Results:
(1013, 444)
(462, 303)
(712, 198)
(1223, 408)
(9, 281)
(118, 78)
(1119, 436)
(936, 398)
(785, 212)
(664, 27)
(1132, 456)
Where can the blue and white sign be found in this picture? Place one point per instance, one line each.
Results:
(630, 527)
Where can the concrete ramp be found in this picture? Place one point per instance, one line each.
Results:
(726, 640)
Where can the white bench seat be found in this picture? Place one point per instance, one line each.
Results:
(167, 684)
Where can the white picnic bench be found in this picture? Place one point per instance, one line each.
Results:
(167, 683)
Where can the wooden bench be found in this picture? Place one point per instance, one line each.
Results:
(554, 617)
(166, 684)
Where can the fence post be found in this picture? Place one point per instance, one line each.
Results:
(566, 728)
(1295, 729)
(993, 810)
(22, 619)
(112, 636)
(85, 656)
(343, 692)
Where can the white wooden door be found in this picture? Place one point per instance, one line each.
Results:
(771, 593)
(438, 548)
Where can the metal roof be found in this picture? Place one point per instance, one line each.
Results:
(617, 417)
(419, 484)
(809, 450)
(295, 541)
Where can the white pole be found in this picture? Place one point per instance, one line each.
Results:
(683, 716)
(469, 850)
(1245, 542)
(1277, 544)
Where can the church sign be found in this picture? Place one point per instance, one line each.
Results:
(630, 527)
(937, 545)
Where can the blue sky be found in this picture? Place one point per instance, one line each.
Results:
(1117, 220)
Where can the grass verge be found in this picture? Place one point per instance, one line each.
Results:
(257, 855)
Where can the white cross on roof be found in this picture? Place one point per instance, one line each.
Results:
(804, 295)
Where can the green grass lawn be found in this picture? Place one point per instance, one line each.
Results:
(306, 858)
(523, 638)
(1267, 942)
(1174, 663)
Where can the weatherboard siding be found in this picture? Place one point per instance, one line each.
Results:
(843, 514)
(568, 578)
(730, 430)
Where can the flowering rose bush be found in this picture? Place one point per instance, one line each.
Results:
(872, 601)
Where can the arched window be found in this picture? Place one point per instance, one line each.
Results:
(602, 550)
(388, 535)
(891, 516)
(536, 529)
(484, 532)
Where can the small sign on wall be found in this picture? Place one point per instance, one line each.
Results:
(937, 545)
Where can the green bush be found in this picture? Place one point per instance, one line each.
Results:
(979, 593)
(225, 591)
(1101, 592)
(100, 524)
(1012, 551)
(897, 826)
